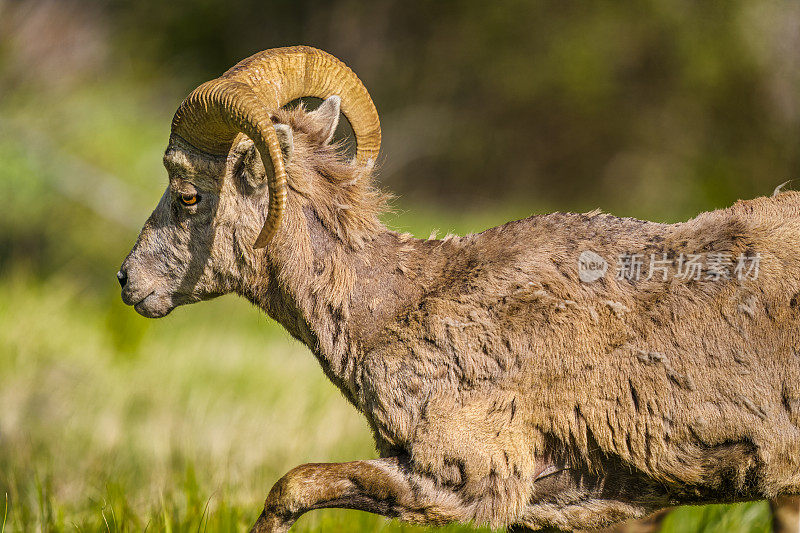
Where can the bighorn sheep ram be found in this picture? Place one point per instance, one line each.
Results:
(512, 377)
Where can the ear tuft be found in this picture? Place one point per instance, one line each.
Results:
(326, 116)
(286, 140)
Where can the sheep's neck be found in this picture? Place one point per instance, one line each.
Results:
(338, 303)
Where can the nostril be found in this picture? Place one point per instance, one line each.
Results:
(122, 277)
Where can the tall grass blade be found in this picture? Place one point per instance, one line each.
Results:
(5, 515)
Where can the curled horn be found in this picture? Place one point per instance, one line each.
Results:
(242, 99)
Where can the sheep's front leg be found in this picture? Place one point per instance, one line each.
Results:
(383, 486)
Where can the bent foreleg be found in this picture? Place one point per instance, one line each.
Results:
(387, 486)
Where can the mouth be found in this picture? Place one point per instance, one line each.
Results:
(153, 306)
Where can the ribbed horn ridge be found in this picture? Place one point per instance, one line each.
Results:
(242, 99)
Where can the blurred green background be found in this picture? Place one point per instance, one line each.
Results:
(491, 111)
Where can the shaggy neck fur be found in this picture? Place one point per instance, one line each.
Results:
(336, 298)
(334, 273)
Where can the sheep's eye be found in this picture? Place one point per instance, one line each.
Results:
(189, 199)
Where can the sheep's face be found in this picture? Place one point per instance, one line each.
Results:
(198, 241)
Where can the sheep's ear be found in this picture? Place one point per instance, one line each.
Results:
(286, 140)
(251, 168)
(326, 117)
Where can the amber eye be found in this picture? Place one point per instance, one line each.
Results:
(189, 199)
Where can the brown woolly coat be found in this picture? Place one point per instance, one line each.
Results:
(536, 397)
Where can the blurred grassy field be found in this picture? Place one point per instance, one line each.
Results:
(112, 422)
